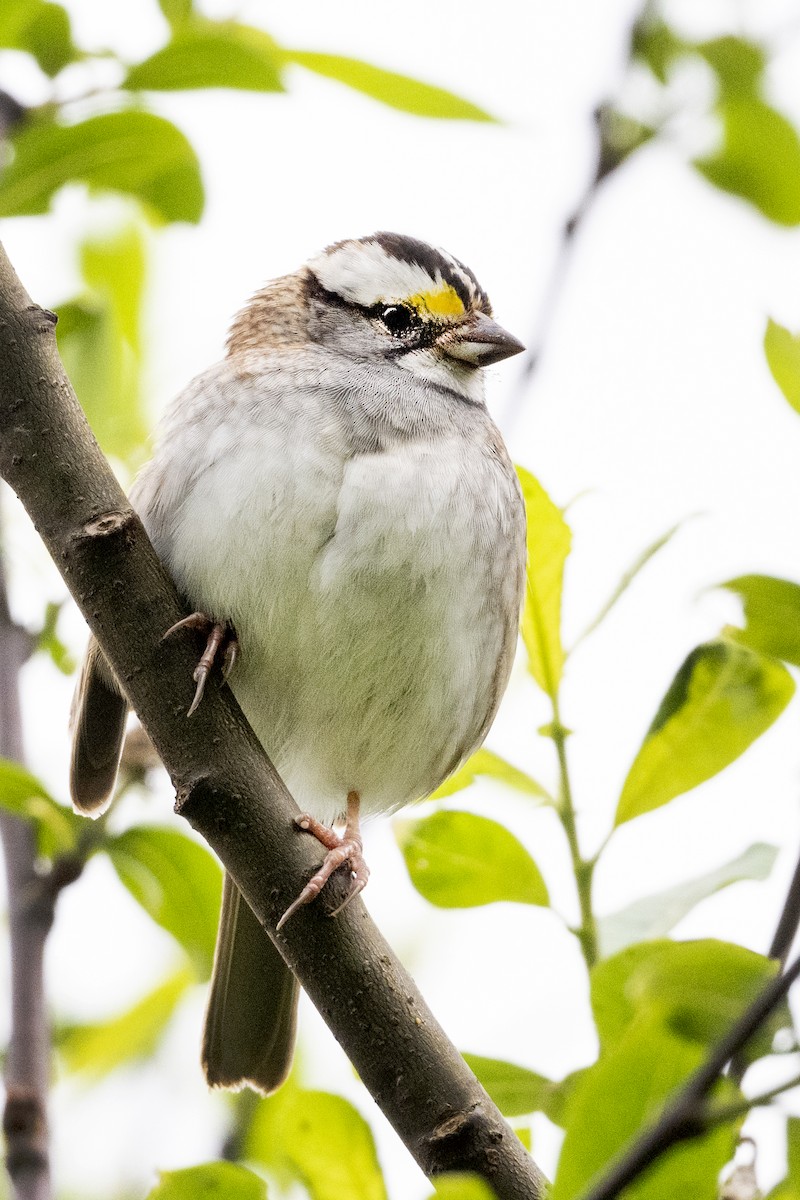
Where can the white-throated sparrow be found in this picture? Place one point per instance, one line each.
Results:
(335, 492)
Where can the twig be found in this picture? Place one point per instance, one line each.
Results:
(684, 1117)
(11, 113)
(225, 785)
(723, 1113)
(29, 920)
(782, 940)
(551, 297)
(611, 152)
(786, 928)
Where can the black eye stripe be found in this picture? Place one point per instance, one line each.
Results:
(419, 334)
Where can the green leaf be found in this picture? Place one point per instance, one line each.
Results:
(628, 578)
(320, 1140)
(782, 349)
(23, 795)
(703, 987)
(625, 1090)
(212, 1181)
(722, 699)
(132, 152)
(177, 882)
(397, 91)
(656, 44)
(656, 915)
(41, 28)
(177, 12)
(515, 1090)
(459, 860)
(212, 55)
(549, 541)
(461, 1185)
(101, 1047)
(772, 616)
(697, 989)
(48, 642)
(99, 339)
(759, 159)
(738, 64)
(485, 762)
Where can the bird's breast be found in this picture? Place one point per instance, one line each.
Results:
(374, 595)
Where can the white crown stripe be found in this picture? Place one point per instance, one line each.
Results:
(364, 273)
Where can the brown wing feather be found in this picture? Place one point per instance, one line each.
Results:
(98, 729)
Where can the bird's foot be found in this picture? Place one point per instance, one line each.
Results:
(347, 848)
(221, 639)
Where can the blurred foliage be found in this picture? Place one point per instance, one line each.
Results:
(48, 642)
(517, 1091)
(135, 153)
(460, 1186)
(97, 1048)
(656, 915)
(486, 764)
(177, 882)
(100, 340)
(58, 830)
(757, 156)
(319, 1140)
(212, 1181)
(658, 1004)
(772, 616)
(782, 349)
(40, 28)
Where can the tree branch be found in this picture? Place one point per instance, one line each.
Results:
(225, 785)
(29, 919)
(686, 1116)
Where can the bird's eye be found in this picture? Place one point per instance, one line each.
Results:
(397, 318)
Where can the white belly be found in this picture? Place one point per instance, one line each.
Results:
(372, 596)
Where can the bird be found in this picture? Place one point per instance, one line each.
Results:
(341, 515)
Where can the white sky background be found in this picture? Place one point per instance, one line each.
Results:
(652, 402)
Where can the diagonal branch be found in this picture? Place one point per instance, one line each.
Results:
(687, 1115)
(225, 785)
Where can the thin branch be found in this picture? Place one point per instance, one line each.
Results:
(225, 785)
(786, 928)
(785, 933)
(29, 921)
(683, 1118)
(611, 151)
(723, 1113)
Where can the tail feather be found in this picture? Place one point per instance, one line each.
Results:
(98, 729)
(251, 1018)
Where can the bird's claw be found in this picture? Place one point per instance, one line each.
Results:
(339, 850)
(219, 636)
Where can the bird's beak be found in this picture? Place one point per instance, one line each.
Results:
(480, 341)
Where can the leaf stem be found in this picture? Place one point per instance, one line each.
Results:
(583, 868)
(723, 1113)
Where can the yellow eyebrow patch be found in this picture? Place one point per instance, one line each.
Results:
(443, 302)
